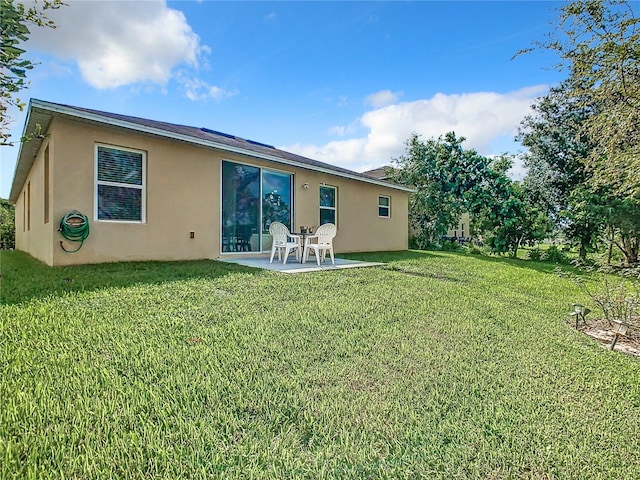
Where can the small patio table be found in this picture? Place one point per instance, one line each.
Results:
(303, 239)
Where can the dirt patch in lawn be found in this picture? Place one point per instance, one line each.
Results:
(602, 332)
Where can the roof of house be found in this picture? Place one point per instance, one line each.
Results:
(381, 173)
(41, 113)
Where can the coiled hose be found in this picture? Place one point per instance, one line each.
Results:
(74, 227)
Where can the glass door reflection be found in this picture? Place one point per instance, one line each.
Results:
(253, 198)
(240, 207)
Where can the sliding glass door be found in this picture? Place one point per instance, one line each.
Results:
(253, 198)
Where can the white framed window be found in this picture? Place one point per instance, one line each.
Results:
(328, 204)
(384, 206)
(120, 176)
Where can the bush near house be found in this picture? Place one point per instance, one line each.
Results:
(7, 225)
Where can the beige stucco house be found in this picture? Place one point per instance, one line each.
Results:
(462, 230)
(160, 191)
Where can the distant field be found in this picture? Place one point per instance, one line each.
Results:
(438, 365)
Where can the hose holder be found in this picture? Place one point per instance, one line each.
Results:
(74, 227)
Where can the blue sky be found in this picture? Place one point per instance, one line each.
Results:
(340, 82)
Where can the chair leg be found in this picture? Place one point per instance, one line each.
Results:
(273, 252)
(286, 255)
(333, 260)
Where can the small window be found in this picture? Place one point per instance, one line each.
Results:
(120, 184)
(327, 204)
(384, 206)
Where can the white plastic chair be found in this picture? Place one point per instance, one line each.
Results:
(321, 243)
(281, 236)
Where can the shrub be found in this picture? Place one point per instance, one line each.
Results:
(617, 298)
(474, 249)
(534, 254)
(555, 255)
(449, 246)
(7, 225)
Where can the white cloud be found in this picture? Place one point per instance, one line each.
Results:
(116, 43)
(338, 130)
(346, 149)
(196, 89)
(382, 98)
(483, 118)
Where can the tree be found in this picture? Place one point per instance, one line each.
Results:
(7, 225)
(562, 178)
(450, 180)
(441, 171)
(558, 149)
(598, 42)
(13, 67)
(623, 219)
(506, 212)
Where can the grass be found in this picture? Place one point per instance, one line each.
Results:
(439, 365)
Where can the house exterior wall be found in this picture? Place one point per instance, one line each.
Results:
(183, 195)
(463, 229)
(33, 235)
(182, 188)
(360, 229)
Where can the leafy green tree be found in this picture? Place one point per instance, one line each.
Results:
(558, 148)
(7, 225)
(506, 212)
(442, 172)
(14, 20)
(598, 43)
(561, 176)
(450, 180)
(623, 219)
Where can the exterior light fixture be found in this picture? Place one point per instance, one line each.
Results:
(579, 312)
(620, 329)
(305, 185)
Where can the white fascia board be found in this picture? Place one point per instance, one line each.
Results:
(15, 189)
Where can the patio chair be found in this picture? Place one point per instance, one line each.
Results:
(321, 243)
(281, 236)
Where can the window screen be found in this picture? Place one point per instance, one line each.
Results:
(120, 184)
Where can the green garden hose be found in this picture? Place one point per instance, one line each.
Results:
(74, 227)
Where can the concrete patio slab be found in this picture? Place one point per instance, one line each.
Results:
(293, 266)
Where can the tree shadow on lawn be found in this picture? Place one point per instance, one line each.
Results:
(398, 256)
(393, 262)
(23, 278)
(386, 257)
(538, 266)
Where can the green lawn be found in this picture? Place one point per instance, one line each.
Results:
(439, 365)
